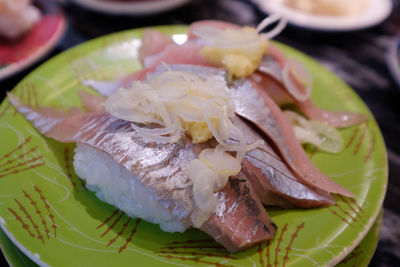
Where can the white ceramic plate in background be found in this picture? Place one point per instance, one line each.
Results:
(131, 7)
(377, 11)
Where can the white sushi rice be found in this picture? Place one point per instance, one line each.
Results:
(116, 185)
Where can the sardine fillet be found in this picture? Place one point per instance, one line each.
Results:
(253, 103)
(239, 220)
(162, 168)
(270, 176)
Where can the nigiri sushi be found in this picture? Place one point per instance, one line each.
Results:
(273, 182)
(165, 176)
(152, 180)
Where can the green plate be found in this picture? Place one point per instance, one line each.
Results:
(360, 256)
(47, 212)
(13, 255)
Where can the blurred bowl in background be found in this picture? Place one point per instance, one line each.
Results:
(131, 7)
(374, 13)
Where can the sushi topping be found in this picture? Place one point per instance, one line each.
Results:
(209, 174)
(297, 80)
(238, 50)
(182, 102)
(322, 135)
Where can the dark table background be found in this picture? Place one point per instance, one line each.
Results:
(357, 57)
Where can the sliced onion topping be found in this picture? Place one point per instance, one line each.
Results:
(297, 79)
(173, 99)
(323, 136)
(209, 174)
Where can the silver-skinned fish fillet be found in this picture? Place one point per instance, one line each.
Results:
(269, 174)
(162, 169)
(254, 104)
(272, 180)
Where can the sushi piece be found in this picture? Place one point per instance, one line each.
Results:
(149, 180)
(273, 182)
(17, 17)
(254, 104)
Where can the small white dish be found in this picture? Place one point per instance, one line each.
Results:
(375, 13)
(131, 7)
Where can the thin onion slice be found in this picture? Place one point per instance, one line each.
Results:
(323, 136)
(221, 162)
(202, 179)
(297, 80)
(267, 21)
(209, 174)
(214, 132)
(276, 30)
(154, 131)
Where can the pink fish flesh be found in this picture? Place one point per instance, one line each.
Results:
(270, 175)
(153, 43)
(254, 104)
(187, 53)
(272, 67)
(240, 219)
